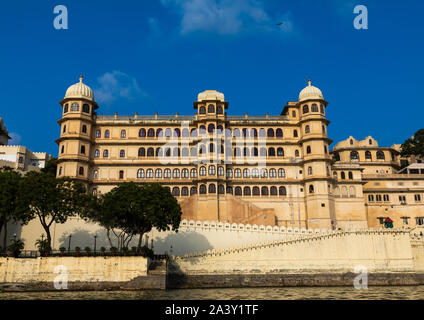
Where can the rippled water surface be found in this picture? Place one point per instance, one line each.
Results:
(373, 293)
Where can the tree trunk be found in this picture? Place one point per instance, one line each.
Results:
(5, 236)
(108, 237)
(139, 241)
(49, 237)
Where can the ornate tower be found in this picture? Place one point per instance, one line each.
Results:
(316, 158)
(76, 137)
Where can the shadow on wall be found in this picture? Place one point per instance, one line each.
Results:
(182, 243)
(83, 238)
(12, 229)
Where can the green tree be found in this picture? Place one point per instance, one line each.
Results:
(10, 183)
(50, 167)
(51, 199)
(414, 146)
(137, 209)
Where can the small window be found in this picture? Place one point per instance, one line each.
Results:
(142, 133)
(81, 171)
(64, 128)
(84, 128)
(308, 149)
(307, 129)
(123, 134)
(82, 149)
(98, 133)
(74, 106)
(420, 221)
(107, 134)
(211, 108)
(311, 189)
(305, 109)
(121, 174)
(96, 153)
(219, 109)
(417, 197)
(202, 171)
(354, 155)
(202, 110)
(122, 153)
(85, 108)
(105, 153)
(211, 170)
(65, 109)
(314, 108)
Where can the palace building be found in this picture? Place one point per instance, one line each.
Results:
(273, 170)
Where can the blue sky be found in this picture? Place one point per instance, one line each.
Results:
(147, 56)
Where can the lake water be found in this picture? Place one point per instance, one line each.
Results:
(372, 293)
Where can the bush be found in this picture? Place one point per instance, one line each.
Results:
(16, 247)
(77, 249)
(87, 250)
(133, 249)
(103, 249)
(62, 250)
(43, 246)
(147, 252)
(113, 249)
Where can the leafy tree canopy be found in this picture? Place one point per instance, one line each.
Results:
(414, 146)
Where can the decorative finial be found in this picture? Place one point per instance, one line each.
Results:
(309, 82)
(81, 78)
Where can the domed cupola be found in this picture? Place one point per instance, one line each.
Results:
(310, 92)
(80, 90)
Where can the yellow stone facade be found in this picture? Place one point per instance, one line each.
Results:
(270, 169)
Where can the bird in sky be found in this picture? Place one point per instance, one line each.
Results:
(279, 23)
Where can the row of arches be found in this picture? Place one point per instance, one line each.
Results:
(354, 155)
(237, 191)
(314, 108)
(176, 133)
(211, 109)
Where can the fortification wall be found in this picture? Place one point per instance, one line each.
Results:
(334, 251)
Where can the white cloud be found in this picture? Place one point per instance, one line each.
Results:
(16, 139)
(117, 84)
(224, 16)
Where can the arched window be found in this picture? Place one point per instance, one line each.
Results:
(325, 149)
(98, 133)
(280, 152)
(308, 149)
(295, 133)
(279, 133)
(122, 153)
(140, 173)
(202, 171)
(149, 173)
(323, 129)
(211, 108)
(220, 171)
(96, 174)
(211, 170)
(368, 155)
(211, 148)
(229, 173)
(193, 190)
(202, 110)
(253, 133)
(296, 153)
(246, 191)
(264, 191)
(281, 173)
(82, 149)
(309, 170)
(354, 155)
(352, 192)
(264, 173)
(305, 109)
(311, 189)
(246, 173)
(176, 152)
(193, 152)
(236, 132)
(105, 153)
(159, 152)
(167, 173)
(150, 152)
(168, 152)
(193, 133)
(66, 108)
(342, 175)
(272, 173)
(307, 129)
(193, 173)
(168, 132)
(282, 191)
(255, 173)
(219, 109)
(273, 191)
(159, 133)
(351, 142)
(262, 133)
(74, 106)
(184, 191)
(176, 191)
(151, 132)
(271, 152)
(350, 175)
(321, 108)
(237, 152)
(158, 173)
(255, 191)
(254, 152)
(221, 189)
(142, 132)
(314, 108)
(380, 155)
(84, 128)
(177, 133)
(219, 129)
(186, 133)
(202, 130)
(262, 152)
(237, 173)
(202, 189)
(96, 153)
(107, 134)
(293, 114)
(202, 149)
(185, 152)
(212, 188)
(229, 190)
(245, 132)
(270, 132)
(237, 191)
(81, 171)
(336, 156)
(184, 173)
(123, 134)
(246, 152)
(85, 108)
(141, 152)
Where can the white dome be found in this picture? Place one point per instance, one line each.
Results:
(210, 95)
(79, 90)
(310, 92)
